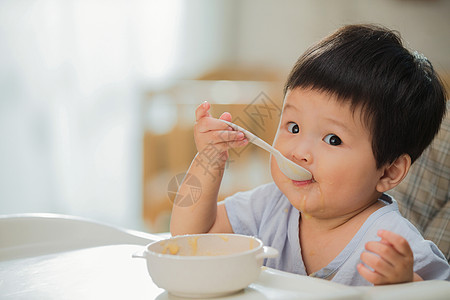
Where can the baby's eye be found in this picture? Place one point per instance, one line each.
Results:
(293, 127)
(332, 139)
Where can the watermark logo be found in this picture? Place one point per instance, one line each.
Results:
(258, 114)
(262, 110)
(212, 160)
(191, 193)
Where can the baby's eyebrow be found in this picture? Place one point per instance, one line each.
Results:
(290, 106)
(340, 124)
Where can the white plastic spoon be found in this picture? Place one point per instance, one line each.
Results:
(288, 167)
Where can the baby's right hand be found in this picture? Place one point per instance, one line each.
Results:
(215, 136)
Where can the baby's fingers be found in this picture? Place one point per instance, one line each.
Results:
(399, 243)
(202, 111)
(385, 251)
(387, 261)
(370, 276)
(377, 263)
(220, 140)
(226, 116)
(227, 136)
(211, 124)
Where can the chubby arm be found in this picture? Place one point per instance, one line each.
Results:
(391, 259)
(213, 138)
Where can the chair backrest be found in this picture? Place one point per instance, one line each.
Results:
(423, 195)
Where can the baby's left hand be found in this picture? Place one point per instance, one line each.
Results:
(391, 259)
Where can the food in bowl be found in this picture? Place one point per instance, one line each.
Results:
(205, 265)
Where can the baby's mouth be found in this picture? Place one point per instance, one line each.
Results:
(303, 182)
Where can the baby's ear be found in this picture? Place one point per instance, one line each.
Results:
(394, 173)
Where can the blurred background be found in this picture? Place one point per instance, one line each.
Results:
(97, 97)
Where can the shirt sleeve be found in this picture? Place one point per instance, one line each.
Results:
(430, 263)
(245, 209)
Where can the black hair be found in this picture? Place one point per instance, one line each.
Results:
(402, 98)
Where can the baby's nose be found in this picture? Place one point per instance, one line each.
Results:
(307, 157)
(302, 155)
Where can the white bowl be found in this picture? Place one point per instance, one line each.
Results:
(205, 265)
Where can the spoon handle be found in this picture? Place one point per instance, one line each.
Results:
(288, 167)
(253, 138)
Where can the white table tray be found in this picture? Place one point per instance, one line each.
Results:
(61, 257)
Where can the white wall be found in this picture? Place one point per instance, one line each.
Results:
(69, 139)
(275, 33)
(72, 79)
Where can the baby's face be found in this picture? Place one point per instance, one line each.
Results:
(329, 140)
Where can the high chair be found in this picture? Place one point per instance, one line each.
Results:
(27, 235)
(424, 193)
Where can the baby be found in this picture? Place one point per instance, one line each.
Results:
(359, 109)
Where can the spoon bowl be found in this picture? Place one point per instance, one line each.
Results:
(287, 166)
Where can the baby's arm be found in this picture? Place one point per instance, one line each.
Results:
(213, 138)
(391, 260)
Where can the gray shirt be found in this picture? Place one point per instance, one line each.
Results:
(266, 213)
